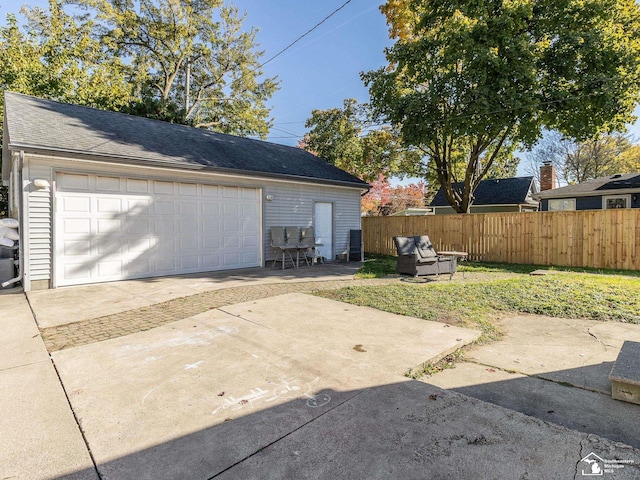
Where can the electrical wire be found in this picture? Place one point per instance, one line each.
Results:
(305, 34)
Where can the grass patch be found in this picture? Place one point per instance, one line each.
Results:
(432, 368)
(476, 304)
(379, 266)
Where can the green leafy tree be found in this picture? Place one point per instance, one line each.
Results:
(342, 137)
(190, 62)
(55, 56)
(469, 82)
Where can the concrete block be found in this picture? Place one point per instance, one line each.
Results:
(625, 374)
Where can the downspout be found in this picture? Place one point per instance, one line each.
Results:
(20, 227)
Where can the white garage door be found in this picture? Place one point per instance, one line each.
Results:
(116, 228)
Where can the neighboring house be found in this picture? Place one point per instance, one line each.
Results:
(613, 191)
(495, 195)
(103, 196)
(409, 212)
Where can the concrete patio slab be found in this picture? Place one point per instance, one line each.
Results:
(412, 430)
(558, 349)
(40, 437)
(208, 391)
(20, 342)
(366, 338)
(574, 408)
(60, 306)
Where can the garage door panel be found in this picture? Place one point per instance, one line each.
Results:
(165, 226)
(166, 264)
(230, 192)
(109, 205)
(77, 225)
(189, 244)
(210, 191)
(137, 226)
(74, 248)
(230, 225)
(211, 262)
(189, 226)
(80, 204)
(249, 257)
(108, 225)
(165, 207)
(109, 269)
(71, 182)
(164, 188)
(135, 185)
(108, 184)
(112, 228)
(230, 210)
(189, 208)
(139, 245)
(231, 260)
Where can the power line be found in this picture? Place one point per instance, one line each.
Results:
(305, 33)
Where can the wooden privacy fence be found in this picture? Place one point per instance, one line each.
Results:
(586, 238)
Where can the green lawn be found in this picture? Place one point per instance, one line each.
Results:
(490, 290)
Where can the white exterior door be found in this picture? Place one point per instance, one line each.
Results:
(114, 228)
(323, 221)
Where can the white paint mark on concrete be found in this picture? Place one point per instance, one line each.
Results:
(193, 365)
(285, 389)
(181, 339)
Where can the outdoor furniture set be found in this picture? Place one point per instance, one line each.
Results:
(417, 257)
(287, 240)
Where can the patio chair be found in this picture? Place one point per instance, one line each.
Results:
(356, 247)
(307, 244)
(292, 241)
(279, 242)
(417, 257)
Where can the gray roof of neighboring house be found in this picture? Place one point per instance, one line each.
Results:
(599, 186)
(46, 125)
(499, 191)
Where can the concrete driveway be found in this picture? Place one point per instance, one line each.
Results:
(193, 398)
(291, 386)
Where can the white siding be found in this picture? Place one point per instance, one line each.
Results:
(292, 203)
(39, 224)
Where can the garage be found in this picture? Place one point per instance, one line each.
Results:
(115, 228)
(102, 196)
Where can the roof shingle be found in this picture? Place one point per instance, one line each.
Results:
(49, 125)
(502, 191)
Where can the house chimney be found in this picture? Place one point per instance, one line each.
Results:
(547, 176)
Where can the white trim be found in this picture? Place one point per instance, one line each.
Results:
(592, 193)
(197, 171)
(608, 197)
(24, 223)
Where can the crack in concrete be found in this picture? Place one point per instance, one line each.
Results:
(245, 319)
(605, 345)
(580, 457)
(557, 382)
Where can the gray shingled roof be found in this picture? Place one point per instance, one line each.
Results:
(595, 187)
(39, 124)
(503, 191)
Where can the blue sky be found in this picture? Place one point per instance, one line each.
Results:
(322, 69)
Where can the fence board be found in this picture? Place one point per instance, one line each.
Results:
(588, 238)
